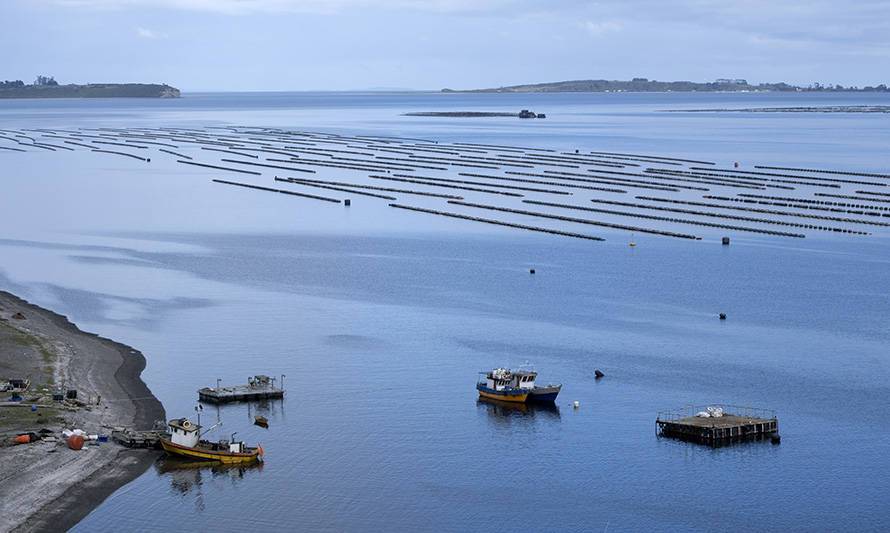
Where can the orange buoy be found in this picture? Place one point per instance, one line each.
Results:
(75, 442)
(22, 439)
(260, 451)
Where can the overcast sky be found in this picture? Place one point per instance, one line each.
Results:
(360, 44)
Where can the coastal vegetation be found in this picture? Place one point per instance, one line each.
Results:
(48, 87)
(647, 85)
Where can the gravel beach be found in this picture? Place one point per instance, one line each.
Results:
(47, 486)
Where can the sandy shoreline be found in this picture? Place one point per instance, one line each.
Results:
(46, 485)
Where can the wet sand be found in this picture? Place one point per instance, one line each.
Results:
(46, 486)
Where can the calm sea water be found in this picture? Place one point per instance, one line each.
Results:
(380, 321)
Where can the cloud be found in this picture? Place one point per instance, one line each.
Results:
(146, 33)
(248, 7)
(600, 28)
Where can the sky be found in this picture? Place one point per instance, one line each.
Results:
(279, 45)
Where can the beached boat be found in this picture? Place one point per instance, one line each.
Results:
(185, 441)
(519, 386)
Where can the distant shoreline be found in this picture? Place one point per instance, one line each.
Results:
(92, 90)
(644, 85)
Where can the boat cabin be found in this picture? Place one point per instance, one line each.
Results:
(524, 379)
(501, 379)
(184, 432)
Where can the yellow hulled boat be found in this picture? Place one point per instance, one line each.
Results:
(185, 442)
(498, 385)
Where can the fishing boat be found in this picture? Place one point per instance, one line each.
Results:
(526, 378)
(185, 441)
(516, 386)
(261, 421)
(499, 384)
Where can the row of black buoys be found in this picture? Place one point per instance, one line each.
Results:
(766, 211)
(218, 167)
(177, 154)
(794, 205)
(405, 160)
(654, 157)
(576, 220)
(722, 316)
(724, 216)
(839, 172)
(374, 188)
(874, 193)
(445, 185)
(498, 222)
(371, 167)
(146, 159)
(497, 185)
(649, 178)
(282, 191)
(664, 219)
(297, 181)
(253, 163)
(848, 197)
(751, 172)
(718, 179)
(595, 179)
(554, 183)
(818, 202)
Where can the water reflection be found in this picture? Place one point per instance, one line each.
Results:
(188, 477)
(502, 411)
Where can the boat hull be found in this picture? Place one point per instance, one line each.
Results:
(512, 395)
(544, 394)
(209, 455)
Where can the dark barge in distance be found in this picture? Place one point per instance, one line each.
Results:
(258, 387)
(718, 424)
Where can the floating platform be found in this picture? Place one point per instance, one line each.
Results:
(258, 388)
(732, 423)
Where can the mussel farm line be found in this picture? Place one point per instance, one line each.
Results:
(508, 171)
(282, 191)
(334, 188)
(576, 220)
(498, 222)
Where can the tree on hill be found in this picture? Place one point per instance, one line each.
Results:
(45, 81)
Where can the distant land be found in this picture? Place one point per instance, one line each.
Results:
(647, 85)
(48, 87)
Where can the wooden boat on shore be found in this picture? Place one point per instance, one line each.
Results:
(185, 442)
(520, 386)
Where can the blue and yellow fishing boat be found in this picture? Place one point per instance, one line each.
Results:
(499, 384)
(185, 441)
(508, 386)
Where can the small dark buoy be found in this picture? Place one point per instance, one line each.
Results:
(722, 316)
(598, 374)
(531, 271)
(347, 202)
(736, 164)
(776, 438)
(576, 151)
(725, 241)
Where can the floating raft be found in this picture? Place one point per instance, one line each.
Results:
(734, 424)
(258, 388)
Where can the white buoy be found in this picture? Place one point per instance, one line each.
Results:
(577, 404)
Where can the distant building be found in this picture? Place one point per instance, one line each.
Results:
(728, 81)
